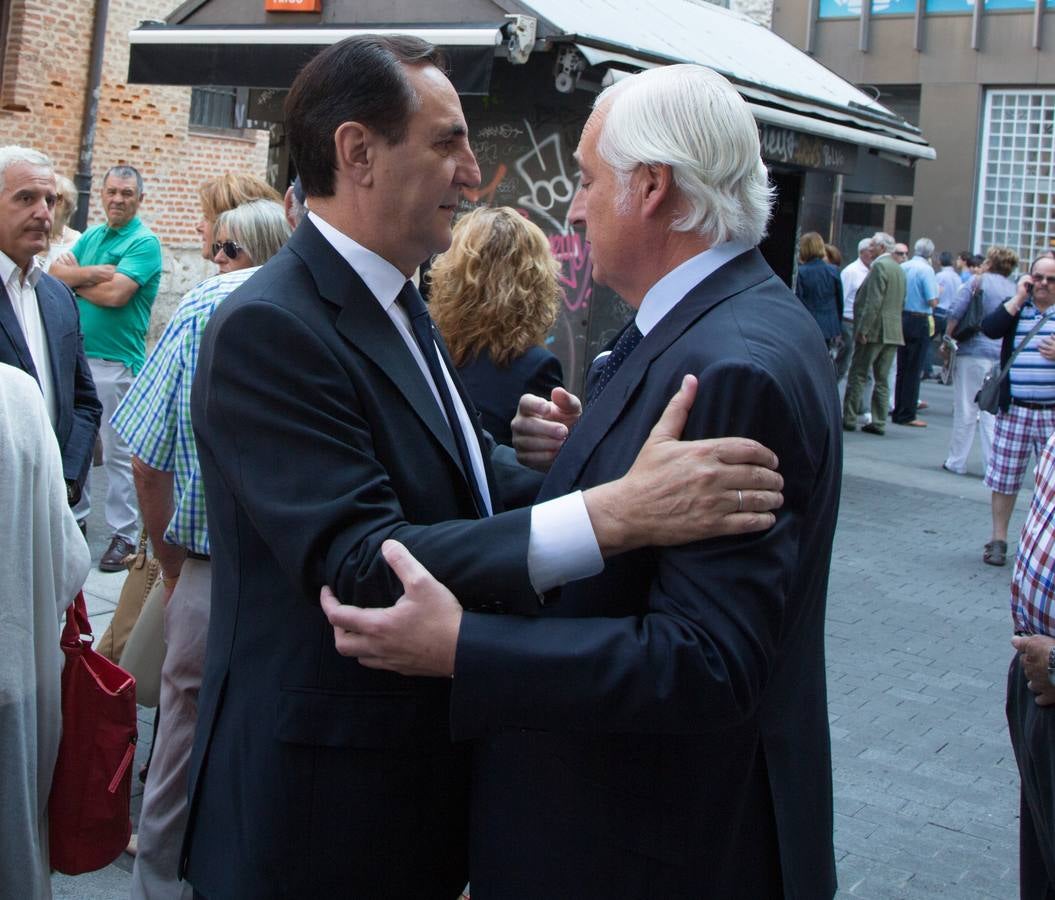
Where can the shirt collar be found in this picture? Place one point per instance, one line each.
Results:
(130, 225)
(8, 267)
(383, 279)
(664, 295)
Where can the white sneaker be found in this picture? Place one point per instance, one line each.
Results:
(864, 419)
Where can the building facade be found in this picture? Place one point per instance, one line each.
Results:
(45, 51)
(979, 79)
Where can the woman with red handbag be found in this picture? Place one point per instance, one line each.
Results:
(47, 562)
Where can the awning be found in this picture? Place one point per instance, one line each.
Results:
(269, 57)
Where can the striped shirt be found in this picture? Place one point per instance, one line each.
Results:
(154, 416)
(1032, 376)
(1033, 581)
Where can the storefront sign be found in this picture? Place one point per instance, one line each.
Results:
(797, 148)
(298, 6)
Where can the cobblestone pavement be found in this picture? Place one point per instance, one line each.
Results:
(926, 791)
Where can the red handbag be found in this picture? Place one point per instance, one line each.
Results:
(92, 786)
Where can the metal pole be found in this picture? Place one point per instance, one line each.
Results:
(866, 19)
(83, 178)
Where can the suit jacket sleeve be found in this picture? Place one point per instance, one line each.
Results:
(79, 448)
(299, 454)
(700, 655)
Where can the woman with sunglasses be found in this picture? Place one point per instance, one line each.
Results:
(975, 355)
(249, 235)
(1026, 418)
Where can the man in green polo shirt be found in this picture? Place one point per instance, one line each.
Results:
(115, 270)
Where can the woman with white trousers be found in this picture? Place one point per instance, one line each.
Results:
(975, 356)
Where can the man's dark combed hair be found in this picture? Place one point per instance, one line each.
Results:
(946, 258)
(359, 79)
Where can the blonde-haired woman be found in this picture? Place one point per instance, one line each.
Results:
(494, 294)
(62, 236)
(818, 286)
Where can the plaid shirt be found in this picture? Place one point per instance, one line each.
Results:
(1033, 583)
(154, 416)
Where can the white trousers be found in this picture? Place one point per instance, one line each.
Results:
(112, 381)
(967, 375)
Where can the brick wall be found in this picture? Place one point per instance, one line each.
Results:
(42, 102)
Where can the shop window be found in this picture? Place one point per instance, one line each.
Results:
(218, 108)
(1014, 205)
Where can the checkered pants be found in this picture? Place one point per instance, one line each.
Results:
(1018, 431)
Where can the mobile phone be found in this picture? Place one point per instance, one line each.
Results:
(1029, 289)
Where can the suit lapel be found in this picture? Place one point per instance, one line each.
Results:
(51, 318)
(739, 274)
(363, 323)
(11, 328)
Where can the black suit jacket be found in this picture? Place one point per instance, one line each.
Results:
(318, 437)
(496, 390)
(662, 731)
(79, 410)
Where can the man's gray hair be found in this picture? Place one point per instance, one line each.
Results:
(259, 226)
(692, 119)
(126, 172)
(884, 242)
(925, 248)
(13, 154)
(863, 245)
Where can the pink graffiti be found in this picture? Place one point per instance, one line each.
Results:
(574, 256)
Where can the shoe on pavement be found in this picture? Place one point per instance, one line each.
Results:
(849, 427)
(871, 429)
(915, 423)
(953, 471)
(995, 553)
(922, 404)
(864, 419)
(113, 559)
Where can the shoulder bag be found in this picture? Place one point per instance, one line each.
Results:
(143, 571)
(88, 810)
(988, 396)
(971, 323)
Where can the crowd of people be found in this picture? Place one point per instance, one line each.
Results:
(418, 595)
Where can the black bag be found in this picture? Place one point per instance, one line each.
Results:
(968, 326)
(988, 396)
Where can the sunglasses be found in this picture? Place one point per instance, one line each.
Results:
(1049, 279)
(230, 249)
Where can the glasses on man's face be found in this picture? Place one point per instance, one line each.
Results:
(230, 249)
(901, 253)
(1047, 279)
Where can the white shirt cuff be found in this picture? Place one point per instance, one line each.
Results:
(562, 546)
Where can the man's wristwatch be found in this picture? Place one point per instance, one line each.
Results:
(1051, 666)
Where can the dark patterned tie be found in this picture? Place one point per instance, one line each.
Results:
(421, 325)
(628, 340)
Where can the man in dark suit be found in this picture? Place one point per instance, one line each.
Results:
(327, 420)
(661, 729)
(39, 325)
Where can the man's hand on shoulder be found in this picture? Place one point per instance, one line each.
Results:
(681, 491)
(541, 427)
(418, 636)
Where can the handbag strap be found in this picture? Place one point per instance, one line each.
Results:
(77, 626)
(1014, 353)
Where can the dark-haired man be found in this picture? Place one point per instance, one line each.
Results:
(328, 418)
(115, 269)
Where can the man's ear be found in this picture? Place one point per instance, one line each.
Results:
(353, 144)
(656, 186)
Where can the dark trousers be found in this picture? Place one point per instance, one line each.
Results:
(1032, 730)
(910, 357)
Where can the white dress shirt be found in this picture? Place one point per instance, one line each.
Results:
(562, 546)
(22, 292)
(852, 277)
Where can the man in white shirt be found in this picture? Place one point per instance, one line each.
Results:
(328, 418)
(852, 277)
(39, 323)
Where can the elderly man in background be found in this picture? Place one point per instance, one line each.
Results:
(852, 277)
(154, 418)
(39, 323)
(661, 730)
(115, 270)
(877, 335)
(921, 296)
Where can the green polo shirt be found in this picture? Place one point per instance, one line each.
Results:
(119, 334)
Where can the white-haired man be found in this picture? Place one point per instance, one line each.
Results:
(39, 325)
(877, 335)
(852, 277)
(921, 296)
(661, 730)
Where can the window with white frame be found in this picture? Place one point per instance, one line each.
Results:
(1016, 185)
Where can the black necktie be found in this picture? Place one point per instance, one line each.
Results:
(421, 325)
(628, 340)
